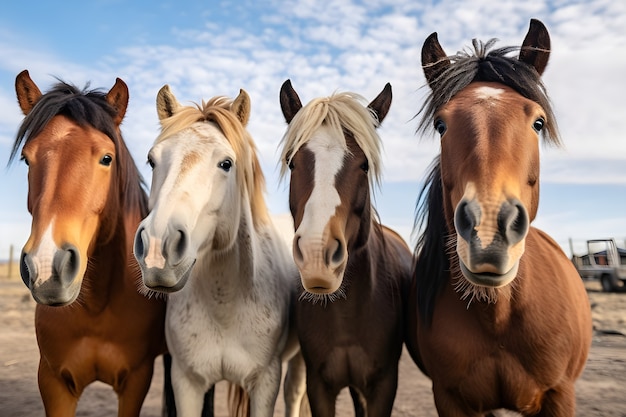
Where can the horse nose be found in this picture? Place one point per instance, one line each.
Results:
(65, 266)
(333, 252)
(513, 222)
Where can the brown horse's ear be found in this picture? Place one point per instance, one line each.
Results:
(27, 92)
(535, 49)
(290, 103)
(434, 59)
(380, 105)
(117, 97)
(241, 107)
(166, 103)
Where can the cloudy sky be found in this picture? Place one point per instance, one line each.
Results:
(207, 48)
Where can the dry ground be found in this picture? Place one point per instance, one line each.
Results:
(601, 391)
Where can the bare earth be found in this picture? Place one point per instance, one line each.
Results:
(601, 390)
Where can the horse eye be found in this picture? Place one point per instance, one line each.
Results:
(440, 126)
(538, 124)
(23, 158)
(106, 160)
(365, 166)
(151, 162)
(226, 165)
(290, 165)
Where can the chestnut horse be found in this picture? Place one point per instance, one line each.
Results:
(86, 199)
(210, 244)
(499, 318)
(354, 270)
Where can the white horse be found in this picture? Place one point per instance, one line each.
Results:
(209, 243)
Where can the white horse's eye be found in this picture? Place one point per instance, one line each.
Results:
(226, 164)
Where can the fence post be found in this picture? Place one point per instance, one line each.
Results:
(10, 269)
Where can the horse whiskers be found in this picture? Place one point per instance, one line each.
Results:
(139, 285)
(473, 292)
(323, 299)
(468, 290)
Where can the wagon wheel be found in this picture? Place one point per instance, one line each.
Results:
(607, 283)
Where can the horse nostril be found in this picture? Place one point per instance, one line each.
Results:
(28, 270)
(176, 246)
(335, 253)
(297, 252)
(139, 248)
(513, 221)
(466, 218)
(65, 263)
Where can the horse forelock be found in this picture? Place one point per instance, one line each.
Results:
(484, 63)
(217, 110)
(339, 112)
(87, 108)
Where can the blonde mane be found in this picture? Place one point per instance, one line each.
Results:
(340, 112)
(218, 111)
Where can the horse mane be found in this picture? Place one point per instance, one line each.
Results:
(218, 110)
(432, 266)
(87, 108)
(489, 65)
(340, 111)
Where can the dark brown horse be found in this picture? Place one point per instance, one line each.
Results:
(354, 270)
(86, 198)
(499, 318)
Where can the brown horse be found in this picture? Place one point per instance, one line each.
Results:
(354, 270)
(86, 199)
(499, 318)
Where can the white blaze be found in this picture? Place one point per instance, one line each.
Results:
(324, 199)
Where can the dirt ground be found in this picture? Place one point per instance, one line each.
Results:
(601, 391)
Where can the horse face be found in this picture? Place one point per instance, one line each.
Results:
(71, 169)
(193, 200)
(329, 197)
(69, 177)
(490, 172)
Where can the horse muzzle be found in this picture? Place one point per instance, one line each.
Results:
(53, 283)
(165, 264)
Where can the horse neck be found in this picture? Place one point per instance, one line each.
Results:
(232, 269)
(112, 270)
(361, 263)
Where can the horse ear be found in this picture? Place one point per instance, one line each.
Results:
(27, 92)
(535, 49)
(241, 107)
(434, 59)
(290, 103)
(117, 97)
(166, 103)
(380, 105)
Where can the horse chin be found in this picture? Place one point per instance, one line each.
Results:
(55, 296)
(489, 280)
(321, 286)
(168, 280)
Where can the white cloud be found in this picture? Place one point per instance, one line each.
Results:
(325, 46)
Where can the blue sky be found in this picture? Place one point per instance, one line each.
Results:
(203, 49)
